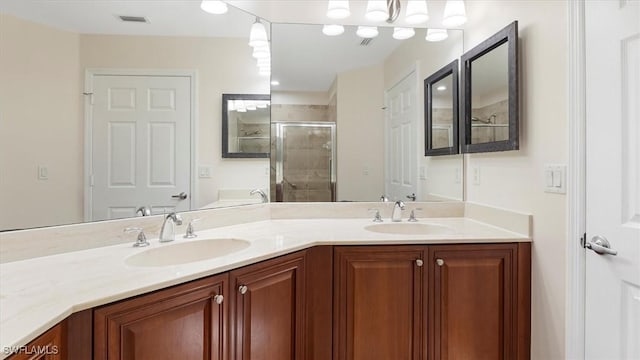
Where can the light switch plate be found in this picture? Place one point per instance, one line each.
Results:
(204, 172)
(555, 178)
(43, 172)
(476, 176)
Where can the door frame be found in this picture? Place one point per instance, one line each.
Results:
(576, 182)
(412, 70)
(90, 73)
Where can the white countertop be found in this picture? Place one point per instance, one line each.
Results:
(37, 293)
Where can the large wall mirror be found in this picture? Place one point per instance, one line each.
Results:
(491, 96)
(441, 111)
(53, 52)
(370, 91)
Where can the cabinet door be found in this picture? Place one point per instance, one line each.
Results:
(182, 322)
(472, 303)
(48, 346)
(268, 308)
(378, 302)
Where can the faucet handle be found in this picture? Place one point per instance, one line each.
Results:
(412, 216)
(141, 241)
(376, 217)
(190, 233)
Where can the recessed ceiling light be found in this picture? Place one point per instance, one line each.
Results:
(275, 82)
(367, 32)
(400, 33)
(332, 30)
(441, 88)
(436, 34)
(338, 9)
(214, 6)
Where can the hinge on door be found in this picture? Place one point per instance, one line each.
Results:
(90, 94)
(91, 180)
(583, 240)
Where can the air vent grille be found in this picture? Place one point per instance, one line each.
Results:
(365, 42)
(136, 19)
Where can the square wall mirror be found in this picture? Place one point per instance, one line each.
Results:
(491, 97)
(441, 111)
(246, 126)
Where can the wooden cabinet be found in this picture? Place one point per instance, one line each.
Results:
(479, 302)
(48, 346)
(183, 322)
(379, 302)
(268, 303)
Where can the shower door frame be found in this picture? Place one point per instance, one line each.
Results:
(279, 163)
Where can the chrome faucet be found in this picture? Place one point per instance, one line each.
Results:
(168, 231)
(143, 210)
(265, 198)
(396, 215)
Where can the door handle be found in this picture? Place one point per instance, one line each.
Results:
(181, 196)
(601, 246)
(412, 197)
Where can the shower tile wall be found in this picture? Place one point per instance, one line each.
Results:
(307, 152)
(483, 134)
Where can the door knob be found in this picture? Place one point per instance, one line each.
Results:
(243, 289)
(181, 196)
(419, 262)
(440, 262)
(601, 246)
(218, 299)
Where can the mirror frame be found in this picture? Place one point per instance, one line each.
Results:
(449, 69)
(508, 35)
(225, 125)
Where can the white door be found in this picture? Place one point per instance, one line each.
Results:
(401, 140)
(141, 130)
(612, 312)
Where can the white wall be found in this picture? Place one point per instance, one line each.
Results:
(360, 134)
(299, 97)
(40, 124)
(514, 179)
(442, 173)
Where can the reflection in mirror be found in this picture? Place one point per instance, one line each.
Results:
(245, 125)
(441, 111)
(490, 78)
(50, 51)
(370, 89)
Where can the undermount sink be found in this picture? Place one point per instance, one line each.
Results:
(410, 229)
(186, 252)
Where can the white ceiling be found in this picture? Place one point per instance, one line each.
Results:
(310, 70)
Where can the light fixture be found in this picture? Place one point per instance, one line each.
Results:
(417, 12)
(454, 13)
(377, 10)
(251, 105)
(265, 103)
(240, 107)
(260, 52)
(436, 34)
(338, 9)
(258, 35)
(214, 6)
(367, 32)
(274, 83)
(441, 88)
(333, 30)
(402, 33)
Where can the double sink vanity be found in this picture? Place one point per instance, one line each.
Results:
(274, 281)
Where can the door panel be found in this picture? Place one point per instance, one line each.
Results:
(378, 303)
(141, 144)
(269, 313)
(401, 144)
(613, 178)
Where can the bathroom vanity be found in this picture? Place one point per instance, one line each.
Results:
(314, 287)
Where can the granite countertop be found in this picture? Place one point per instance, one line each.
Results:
(37, 293)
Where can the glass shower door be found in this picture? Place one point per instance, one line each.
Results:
(305, 162)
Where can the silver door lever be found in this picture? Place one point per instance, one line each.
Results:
(601, 246)
(181, 196)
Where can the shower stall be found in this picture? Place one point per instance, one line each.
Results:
(303, 161)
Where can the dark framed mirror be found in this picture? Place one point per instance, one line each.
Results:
(441, 111)
(246, 126)
(490, 95)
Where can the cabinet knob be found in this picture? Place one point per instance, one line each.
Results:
(440, 262)
(243, 289)
(218, 299)
(419, 262)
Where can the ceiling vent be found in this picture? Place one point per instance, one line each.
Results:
(366, 42)
(135, 19)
